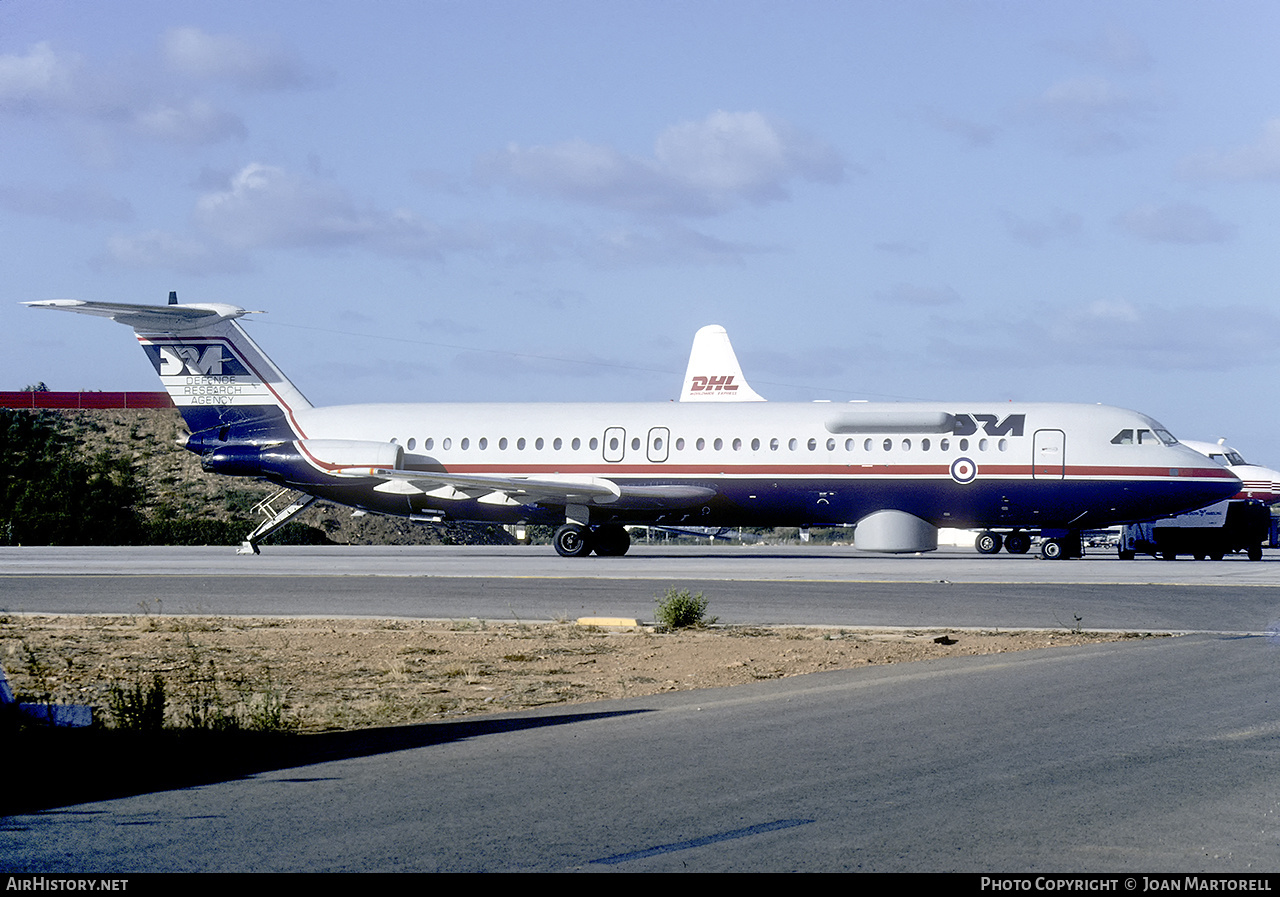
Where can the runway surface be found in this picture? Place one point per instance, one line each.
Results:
(1143, 755)
(810, 586)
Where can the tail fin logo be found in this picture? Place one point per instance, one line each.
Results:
(196, 360)
(714, 384)
(178, 360)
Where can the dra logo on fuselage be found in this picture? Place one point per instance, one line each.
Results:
(967, 424)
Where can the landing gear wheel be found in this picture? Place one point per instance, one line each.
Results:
(988, 542)
(1255, 552)
(1017, 543)
(572, 541)
(1127, 555)
(611, 540)
(1169, 555)
(1052, 549)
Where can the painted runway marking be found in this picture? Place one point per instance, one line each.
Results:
(699, 842)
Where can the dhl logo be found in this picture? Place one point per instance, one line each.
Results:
(714, 384)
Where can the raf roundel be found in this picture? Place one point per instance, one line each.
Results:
(963, 470)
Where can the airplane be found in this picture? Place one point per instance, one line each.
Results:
(896, 470)
(1240, 523)
(1258, 483)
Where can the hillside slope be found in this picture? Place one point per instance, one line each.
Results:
(175, 486)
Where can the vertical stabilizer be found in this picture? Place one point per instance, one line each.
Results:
(225, 387)
(713, 374)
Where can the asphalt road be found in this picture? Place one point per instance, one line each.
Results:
(826, 586)
(1138, 756)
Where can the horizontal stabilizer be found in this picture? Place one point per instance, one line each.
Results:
(150, 318)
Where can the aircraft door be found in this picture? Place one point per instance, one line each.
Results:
(1048, 455)
(658, 439)
(615, 443)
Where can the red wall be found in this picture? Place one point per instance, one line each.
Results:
(85, 400)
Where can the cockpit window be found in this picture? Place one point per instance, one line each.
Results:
(1234, 458)
(1143, 437)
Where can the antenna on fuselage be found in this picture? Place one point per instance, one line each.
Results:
(173, 297)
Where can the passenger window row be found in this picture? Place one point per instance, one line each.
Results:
(869, 444)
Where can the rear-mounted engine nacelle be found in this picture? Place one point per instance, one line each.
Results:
(290, 458)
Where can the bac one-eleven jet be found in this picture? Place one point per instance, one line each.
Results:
(720, 457)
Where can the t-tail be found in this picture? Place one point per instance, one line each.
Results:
(225, 387)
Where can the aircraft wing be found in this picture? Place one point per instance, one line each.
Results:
(547, 489)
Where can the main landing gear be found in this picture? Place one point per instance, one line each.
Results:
(1068, 546)
(1016, 542)
(1019, 542)
(573, 540)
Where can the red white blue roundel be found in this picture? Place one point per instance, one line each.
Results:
(963, 470)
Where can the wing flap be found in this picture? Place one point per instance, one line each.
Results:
(557, 490)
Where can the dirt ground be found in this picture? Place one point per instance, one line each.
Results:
(313, 675)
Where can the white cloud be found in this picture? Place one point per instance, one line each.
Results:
(1091, 114)
(1256, 161)
(264, 207)
(244, 63)
(41, 83)
(194, 121)
(698, 168)
(46, 84)
(158, 249)
(267, 207)
(1176, 223)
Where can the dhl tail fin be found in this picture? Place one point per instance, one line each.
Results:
(713, 374)
(225, 387)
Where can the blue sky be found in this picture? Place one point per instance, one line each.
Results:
(522, 201)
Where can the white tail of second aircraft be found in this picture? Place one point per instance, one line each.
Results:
(713, 374)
